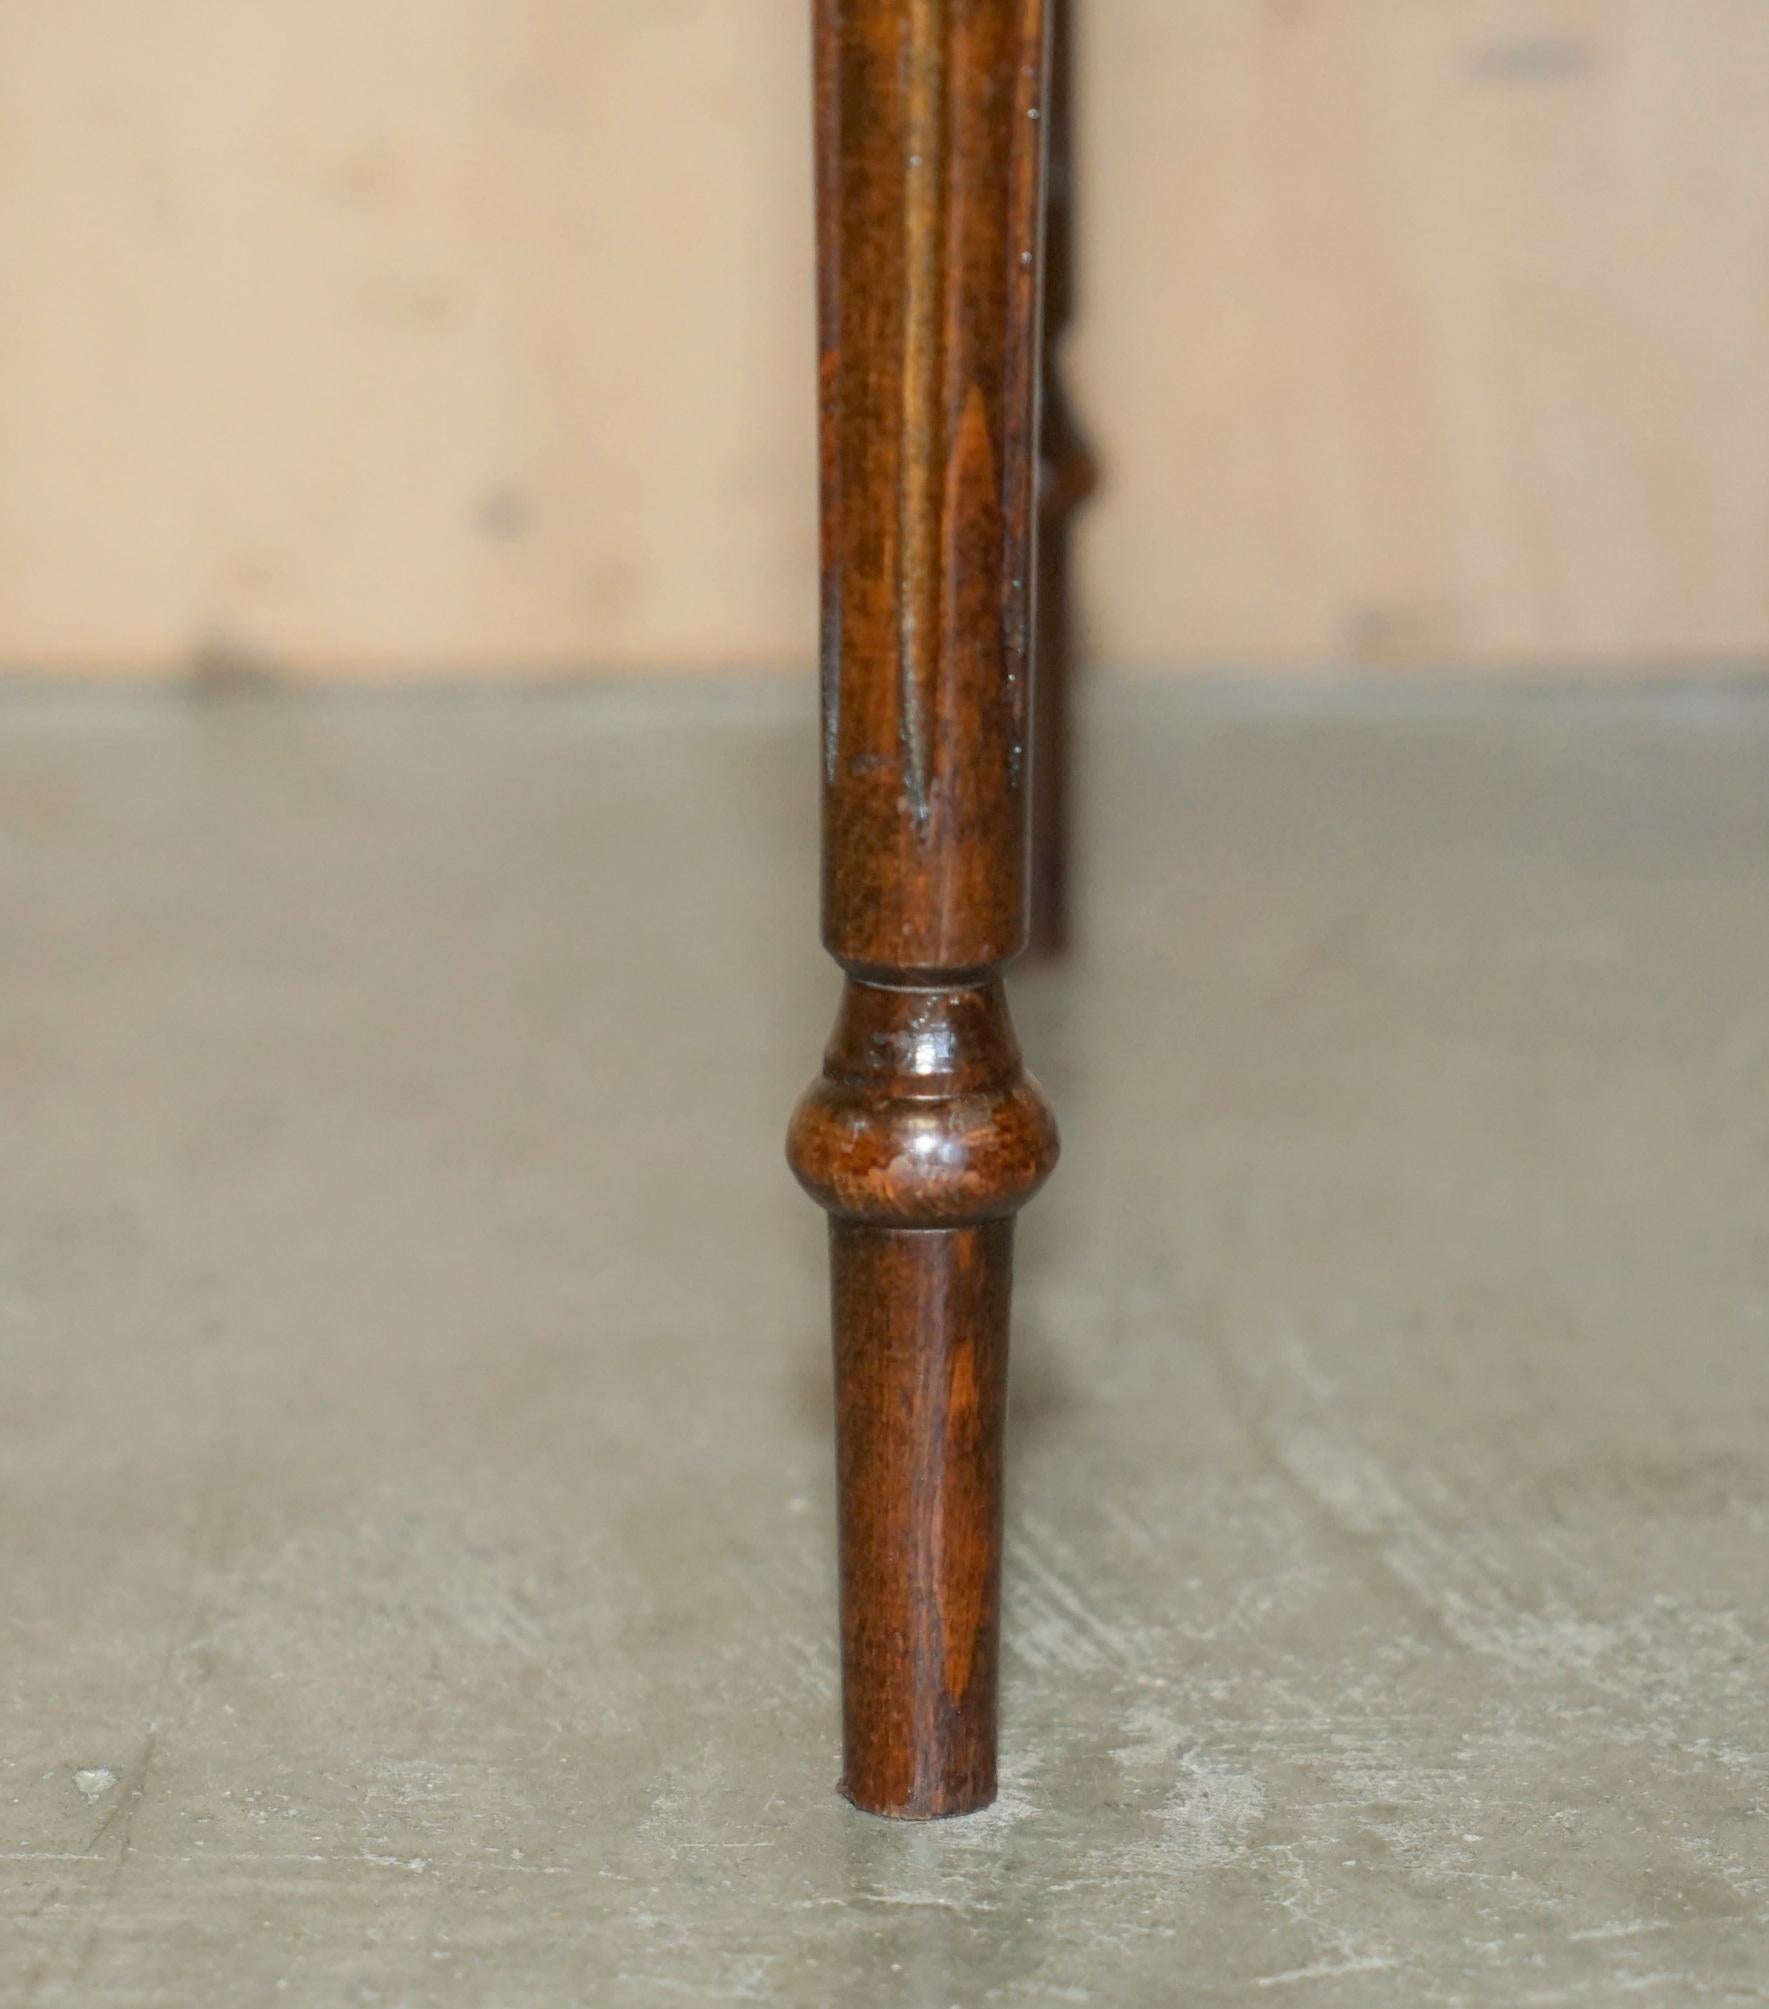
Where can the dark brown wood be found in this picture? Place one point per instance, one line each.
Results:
(924, 1134)
(921, 1381)
(1067, 476)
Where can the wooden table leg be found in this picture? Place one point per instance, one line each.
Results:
(924, 1135)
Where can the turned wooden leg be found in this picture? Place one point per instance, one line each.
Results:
(1066, 479)
(924, 1135)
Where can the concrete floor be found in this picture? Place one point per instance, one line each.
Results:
(415, 1510)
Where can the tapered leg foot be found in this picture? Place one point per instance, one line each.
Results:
(921, 1320)
(921, 1137)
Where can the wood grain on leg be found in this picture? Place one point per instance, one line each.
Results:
(924, 1134)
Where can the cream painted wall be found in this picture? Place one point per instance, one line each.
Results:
(407, 335)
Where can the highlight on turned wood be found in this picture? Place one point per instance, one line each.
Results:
(924, 1134)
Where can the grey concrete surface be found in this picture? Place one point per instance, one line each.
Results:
(414, 1472)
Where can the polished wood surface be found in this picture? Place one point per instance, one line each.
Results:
(924, 1134)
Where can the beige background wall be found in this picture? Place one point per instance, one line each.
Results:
(474, 334)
